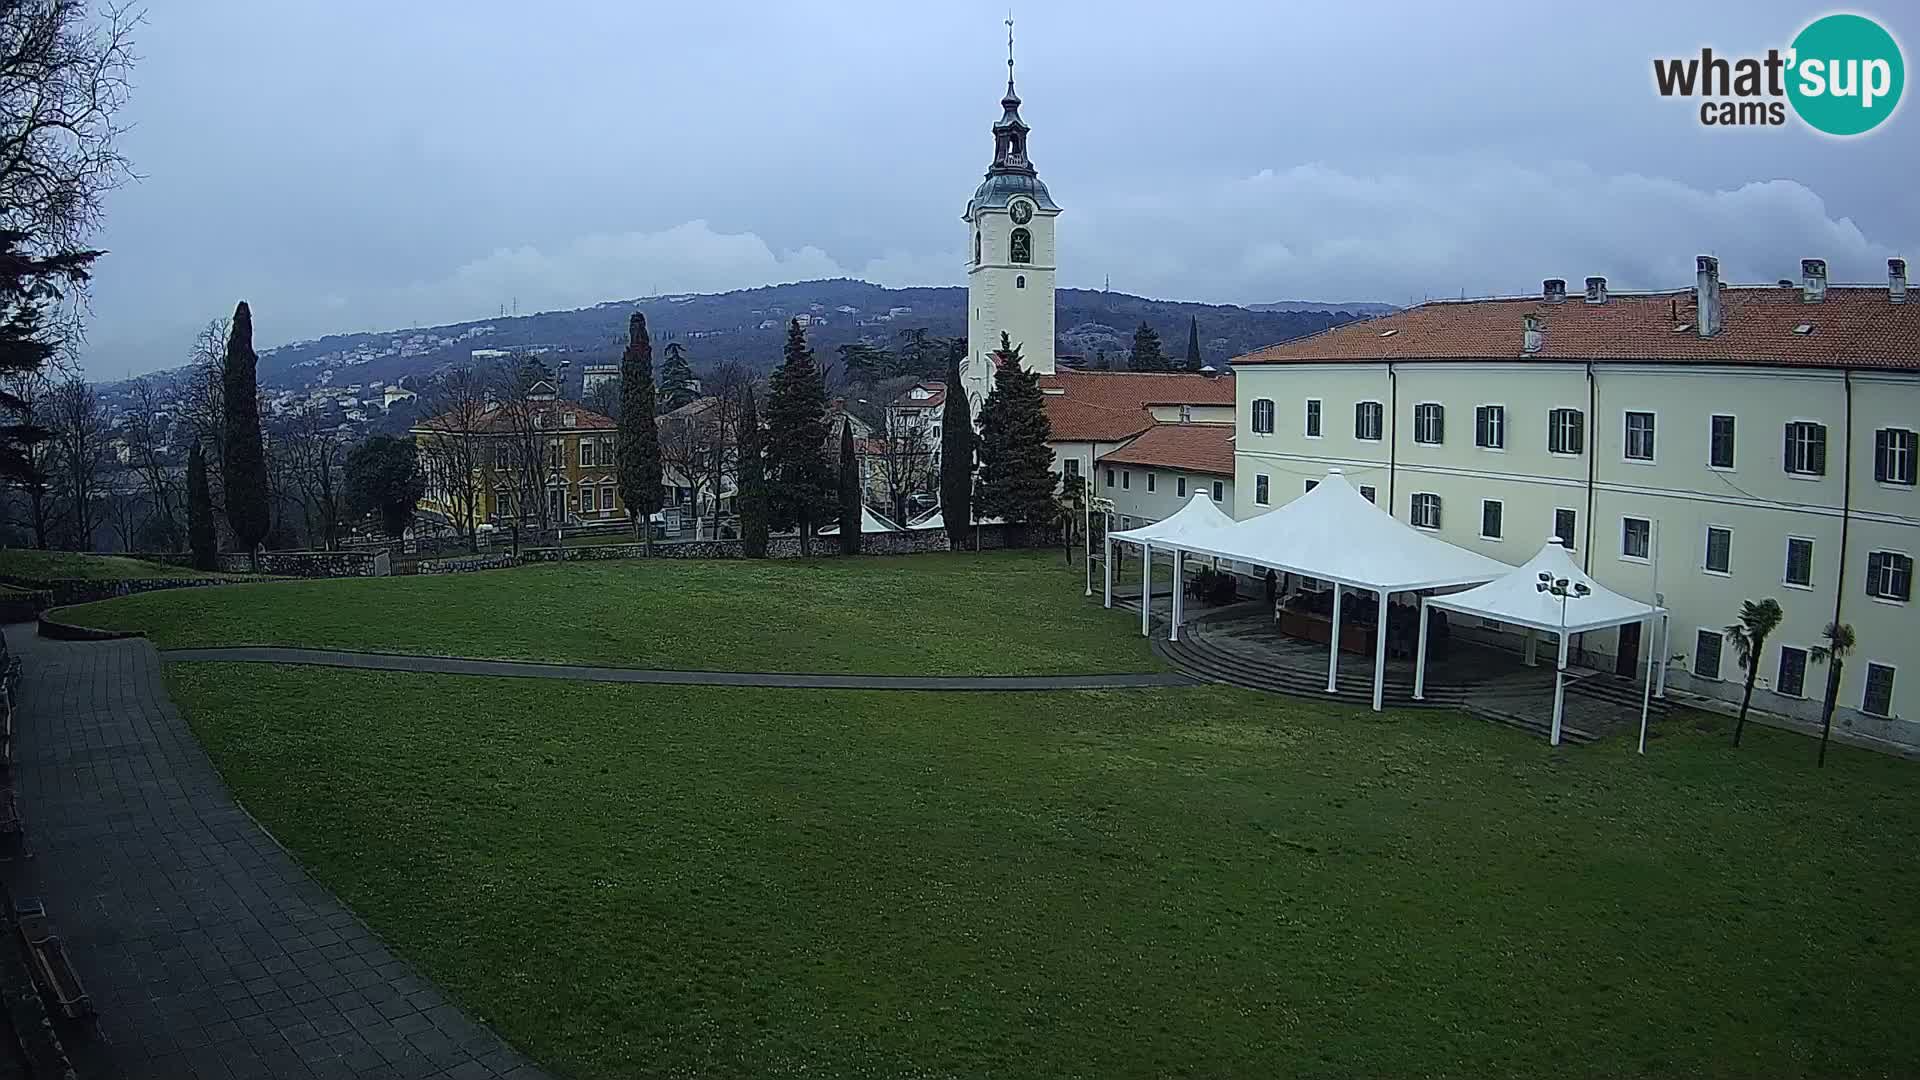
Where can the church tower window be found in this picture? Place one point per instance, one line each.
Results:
(1022, 246)
(976, 247)
(1020, 282)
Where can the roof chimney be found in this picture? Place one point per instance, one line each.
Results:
(1897, 280)
(1813, 280)
(1530, 337)
(1706, 295)
(1596, 290)
(1554, 290)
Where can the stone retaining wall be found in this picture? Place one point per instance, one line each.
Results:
(61, 592)
(309, 564)
(463, 564)
(908, 542)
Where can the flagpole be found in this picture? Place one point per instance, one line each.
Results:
(1086, 506)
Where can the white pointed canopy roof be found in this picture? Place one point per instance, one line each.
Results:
(938, 520)
(1335, 534)
(1198, 519)
(870, 522)
(1516, 597)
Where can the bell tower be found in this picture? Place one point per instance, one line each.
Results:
(1010, 267)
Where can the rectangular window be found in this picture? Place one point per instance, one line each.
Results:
(1878, 699)
(1636, 537)
(1564, 527)
(1792, 679)
(1149, 480)
(556, 451)
(1180, 487)
(1219, 491)
(606, 498)
(1109, 477)
(1799, 562)
(1889, 576)
(1260, 489)
(1805, 452)
(1720, 442)
(1491, 511)
(1126, 479)
(1262, 416)
(1429, 423)
(1073, 467)
(1426, 511)
(1490, 427)
(1706, 654)
(1639, 436)
(1719, 549)
(1367, 421)
(586, 497)
(1893, 456)
(1566, 432)
(1313, 418)
(586, 455)
(1369, 492)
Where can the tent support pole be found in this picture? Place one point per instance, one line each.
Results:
(1333, 646)
(1646, 692)
(1666, 650)
(1106, 567)
(1559, 690)
(1420, 657)
(1380, 654)
(1146, 587)
(1179, 568)
(1533, 647)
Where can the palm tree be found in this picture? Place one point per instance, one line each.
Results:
(1834, 653)
(1749, 637)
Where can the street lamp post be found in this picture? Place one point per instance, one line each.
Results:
(1563, 589)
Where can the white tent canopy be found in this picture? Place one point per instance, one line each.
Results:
(938, 520)
(1199, 519)
(870, 522)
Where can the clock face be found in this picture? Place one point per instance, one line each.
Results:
(1022, 212)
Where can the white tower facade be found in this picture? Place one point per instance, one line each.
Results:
(1010, 269)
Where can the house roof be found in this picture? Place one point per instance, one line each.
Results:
(1108, 406)
(1854, 326)
(1204, 448)
(498, 420)
(936, 397)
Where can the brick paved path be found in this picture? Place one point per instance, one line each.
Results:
(207, 950)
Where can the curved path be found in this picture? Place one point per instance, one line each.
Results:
(453, 665)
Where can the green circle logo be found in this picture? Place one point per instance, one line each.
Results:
(1846, 74)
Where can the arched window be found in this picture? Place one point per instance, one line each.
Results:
(976, 247)
(1022, 246)
(1020, 282)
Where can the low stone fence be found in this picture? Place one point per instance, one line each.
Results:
(310, 564)
(61, 592)
(463, 564)
(907, 542)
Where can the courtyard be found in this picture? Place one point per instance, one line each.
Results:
(636, 880)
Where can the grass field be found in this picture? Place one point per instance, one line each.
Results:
(961, 614)
(635, 881)
(47, 565)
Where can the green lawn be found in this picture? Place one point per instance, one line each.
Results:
(961, 614)
(645, 881)
(47, 565)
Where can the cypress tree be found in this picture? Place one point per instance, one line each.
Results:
(676, 379)
(1146, 355)
(200, 535)
(799, 481)
(753, 481)
(956, 454)
(1016, 464)
(639, 445)
(850, 516)
(1193, 344)
(244, 470)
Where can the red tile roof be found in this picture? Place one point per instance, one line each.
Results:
(499, 421)
(1205, 448)
(1854, 326)
(934, 400)
(1108, 406)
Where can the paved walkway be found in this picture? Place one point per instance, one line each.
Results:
(453, 665)
(207, 950)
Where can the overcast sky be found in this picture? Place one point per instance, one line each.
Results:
(370, 165)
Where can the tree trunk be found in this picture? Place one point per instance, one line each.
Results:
(1826, 707)
(1746, 700)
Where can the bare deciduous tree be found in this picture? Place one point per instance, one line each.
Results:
(146, 434)
(79, 446)
(315, 465)
(528, 453)
(454, 455)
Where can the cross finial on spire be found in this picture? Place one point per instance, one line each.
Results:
(1009, 46)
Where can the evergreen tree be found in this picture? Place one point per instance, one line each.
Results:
(639, 437)
(1193, 344)
(850, 516)
(1016, 464)
(30, 286)
(956, 454)
(384, 477)
(753, 480)
(200, 534)
(676, 379)
(244, 472)
(1146, 354)
(799, 481)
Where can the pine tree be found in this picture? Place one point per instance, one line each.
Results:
(753, 480)
(30, 285)
(1146, 355)
(799, 480)
(676, 379)
(244, 472)
(850, 516)
(1016, 464)
(639, 445)
(956, 454)
(200, 534)
(1193, 344)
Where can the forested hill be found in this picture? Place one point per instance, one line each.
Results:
(750, 324)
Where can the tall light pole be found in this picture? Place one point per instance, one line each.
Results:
(1561, 588)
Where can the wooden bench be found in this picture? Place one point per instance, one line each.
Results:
(52, 969)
